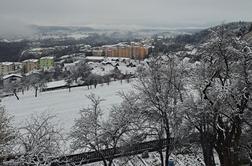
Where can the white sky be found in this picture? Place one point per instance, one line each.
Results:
(133, 12)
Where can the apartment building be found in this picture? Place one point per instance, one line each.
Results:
(30, 65)
(134, 50)
(6, 68)
(46, 63)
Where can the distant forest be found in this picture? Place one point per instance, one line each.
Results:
(10, 51)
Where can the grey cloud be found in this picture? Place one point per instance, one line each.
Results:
(140, 12)
(12, 28)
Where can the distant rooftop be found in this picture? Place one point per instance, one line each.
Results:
(11, 75)
(6, 63)
(47, 57)
(31, 60)
(95, 58)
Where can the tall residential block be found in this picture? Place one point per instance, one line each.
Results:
(30, 65)
(46, 62)
(6, 68)
(134, 50)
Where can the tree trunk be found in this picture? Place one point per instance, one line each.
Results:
(228, 157)
(104, 162)
(207, 148)
(208, 155)
(167, 152)
(36, 92)
(228, 142)
(15, 93)
(161, 157)
(110, 162)
(168, 136)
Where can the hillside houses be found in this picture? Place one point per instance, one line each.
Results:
(26, 66)
(9, 67)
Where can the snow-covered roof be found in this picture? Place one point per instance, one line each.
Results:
(116, 45)
(31, 60)
(47, 57)
(11, 75)
(71, 64)
(17, 63)
(7, 63)
(65, 56)
(36, 49)
(95, 58)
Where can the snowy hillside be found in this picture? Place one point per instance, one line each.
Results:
(62, 103)
(153, 160)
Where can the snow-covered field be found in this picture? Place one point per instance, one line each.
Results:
(66, 106)
(154, 160)
(63, 104)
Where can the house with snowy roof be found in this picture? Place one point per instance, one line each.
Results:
(11, 79)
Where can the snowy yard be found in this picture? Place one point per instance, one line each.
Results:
(62, 103)
(154, 160)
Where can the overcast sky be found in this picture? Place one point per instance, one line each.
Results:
(161, 13)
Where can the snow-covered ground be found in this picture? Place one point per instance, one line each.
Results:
(62, 103)
(66, 106)
(153, 160)
(125, 65)
(56, 84)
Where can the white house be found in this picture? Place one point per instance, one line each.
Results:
(11, 79)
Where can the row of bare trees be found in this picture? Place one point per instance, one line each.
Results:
(39, 140)
(36, 142)
(82, 74)
(210, 98)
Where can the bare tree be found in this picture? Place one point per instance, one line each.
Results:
(116, 73)
(83, 70)
(200, 118)
(159, 91)
(90, 133)
(40, 140)
(69, 82)
(224, 83)
(37, 81)
(87, 130)
(7, 134)
(13, 87)
(117, 130)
